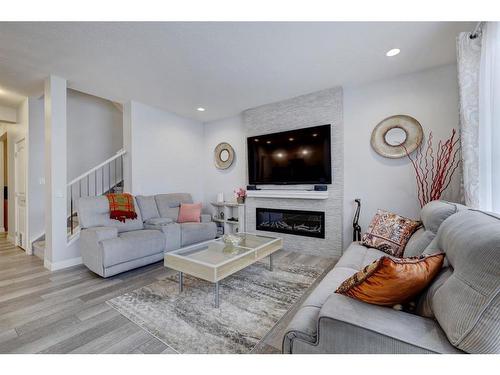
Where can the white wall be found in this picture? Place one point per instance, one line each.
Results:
(431, 97)
(229, 130)
(165, 152)
(55, 111)
(8, 114)
(95, 132)
(36, 169)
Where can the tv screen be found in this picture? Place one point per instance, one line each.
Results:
(301, 156)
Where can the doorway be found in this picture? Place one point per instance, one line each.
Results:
(20, 193)
(4, 204)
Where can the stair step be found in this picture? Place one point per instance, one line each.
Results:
(39, 249)
(39, 245)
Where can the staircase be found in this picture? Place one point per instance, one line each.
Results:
(105, 178)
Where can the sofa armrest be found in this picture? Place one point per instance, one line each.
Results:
(99, 234)
(172, 232)
(91, 248)
(386, 327)
(205, 218)
(158, 221)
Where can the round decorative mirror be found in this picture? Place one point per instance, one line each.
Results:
(224, 155)
(394, 136)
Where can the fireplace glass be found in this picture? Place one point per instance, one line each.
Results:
(301, 223)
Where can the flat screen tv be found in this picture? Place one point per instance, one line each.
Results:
(301, 156)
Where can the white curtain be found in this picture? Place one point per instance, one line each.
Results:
(489, 119)
(479, 88)
(468, 61)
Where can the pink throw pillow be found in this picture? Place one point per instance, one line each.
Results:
(189, 213)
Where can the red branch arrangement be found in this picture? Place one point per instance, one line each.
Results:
(434, 170)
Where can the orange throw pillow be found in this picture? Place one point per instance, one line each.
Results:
(389, 282)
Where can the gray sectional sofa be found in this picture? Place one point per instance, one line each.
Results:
(109, 247)
(459, 312)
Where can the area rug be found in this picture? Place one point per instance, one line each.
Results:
(252, 301)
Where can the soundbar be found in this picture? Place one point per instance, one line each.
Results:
(320, 187)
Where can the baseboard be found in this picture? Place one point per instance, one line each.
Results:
(62, 264)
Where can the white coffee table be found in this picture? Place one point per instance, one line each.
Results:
(215, 260)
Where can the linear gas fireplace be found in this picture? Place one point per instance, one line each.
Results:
(301, 223)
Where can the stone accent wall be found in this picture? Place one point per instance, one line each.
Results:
(318, 108)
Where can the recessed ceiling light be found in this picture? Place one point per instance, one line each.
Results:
(393, 52)
(268, 142)
(291, 139)
(200, 109)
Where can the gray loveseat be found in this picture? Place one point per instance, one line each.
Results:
(109, 247)
(459, 312)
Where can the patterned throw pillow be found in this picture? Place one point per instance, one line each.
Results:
(389, 233)
(388, 281)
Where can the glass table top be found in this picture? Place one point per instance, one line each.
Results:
(217, 252)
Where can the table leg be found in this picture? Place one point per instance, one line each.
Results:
(271, 262)
(181, 286)
(216, 294)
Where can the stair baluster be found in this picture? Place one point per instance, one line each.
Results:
(114, 184)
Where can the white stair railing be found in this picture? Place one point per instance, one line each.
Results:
(107, 177)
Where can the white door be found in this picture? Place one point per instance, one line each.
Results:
(20, 193)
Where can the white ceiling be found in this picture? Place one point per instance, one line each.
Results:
(224, 67)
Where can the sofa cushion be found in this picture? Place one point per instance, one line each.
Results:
(432, 215)
(424, 306)
(94, 212)
(168, 204)
(418, 242)
(467, 304)
(357, 256)
(132, 245)
(357, 327)
(147, 206)
(197, 232)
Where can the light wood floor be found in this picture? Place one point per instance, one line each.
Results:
(65, 311)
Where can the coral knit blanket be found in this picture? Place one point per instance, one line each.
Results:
(121, 207)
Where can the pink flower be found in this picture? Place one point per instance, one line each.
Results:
(240, 193)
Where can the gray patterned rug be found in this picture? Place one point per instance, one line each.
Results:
(252, 301)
